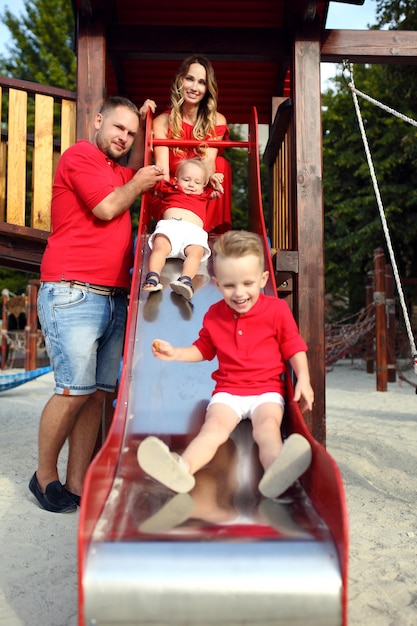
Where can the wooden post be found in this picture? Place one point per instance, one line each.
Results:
(4, 332)
(308, 174)
(26, 359)
(390, 313)
(32, 325)
(381, 320)
(369, 350)
(27, 331)
(91, 71)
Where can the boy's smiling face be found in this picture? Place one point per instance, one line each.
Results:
(240, 280)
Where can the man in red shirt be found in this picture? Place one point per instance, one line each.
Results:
(82, 301)
(252, 335)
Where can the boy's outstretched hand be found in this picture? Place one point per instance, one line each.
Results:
(162, 350)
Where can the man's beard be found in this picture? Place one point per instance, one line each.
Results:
(107, 149)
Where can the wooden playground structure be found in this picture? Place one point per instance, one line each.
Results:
(266, 56)
(22, 342)
(375, 334)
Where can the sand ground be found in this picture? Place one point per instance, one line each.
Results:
(372, 436)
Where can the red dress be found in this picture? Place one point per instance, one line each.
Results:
(219, 211)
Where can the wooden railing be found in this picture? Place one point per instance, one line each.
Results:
(37, 124)
(278, 156)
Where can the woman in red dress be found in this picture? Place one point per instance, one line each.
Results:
(194, 115)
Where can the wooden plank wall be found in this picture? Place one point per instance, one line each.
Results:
(37, 127)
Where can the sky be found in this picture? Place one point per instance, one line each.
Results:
(16, 7)
(349, 17)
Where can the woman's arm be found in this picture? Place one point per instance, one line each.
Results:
(160, 131)
(210, 159)
(136, 157)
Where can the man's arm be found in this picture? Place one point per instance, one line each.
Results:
(121, 198)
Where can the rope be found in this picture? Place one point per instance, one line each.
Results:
(384, 107)
(382, 213)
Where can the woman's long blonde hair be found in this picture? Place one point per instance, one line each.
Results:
(205, 126)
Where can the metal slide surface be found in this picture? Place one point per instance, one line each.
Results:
(222, 554)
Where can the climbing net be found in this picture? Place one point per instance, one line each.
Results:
(16, 342)
(348, 337)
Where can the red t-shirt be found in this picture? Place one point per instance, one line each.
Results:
(81, 246)
(251, 348)
(171, 195)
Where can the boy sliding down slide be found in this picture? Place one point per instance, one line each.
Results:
(252, 336)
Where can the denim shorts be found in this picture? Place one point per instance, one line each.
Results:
(84, 335)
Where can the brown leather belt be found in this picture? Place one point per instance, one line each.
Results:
(101, 290)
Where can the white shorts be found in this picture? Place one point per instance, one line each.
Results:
(244, 406)
(181, 234)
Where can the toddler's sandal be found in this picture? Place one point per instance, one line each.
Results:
(152, 282)
(183, 286)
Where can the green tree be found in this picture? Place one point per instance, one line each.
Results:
(352, 222)
(42, 48)
(396, 14)
(238, 158)
(13, 281)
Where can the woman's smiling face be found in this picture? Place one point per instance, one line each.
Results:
(194, 84)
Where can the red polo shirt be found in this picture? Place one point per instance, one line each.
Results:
(251, 348)
(81, 246)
